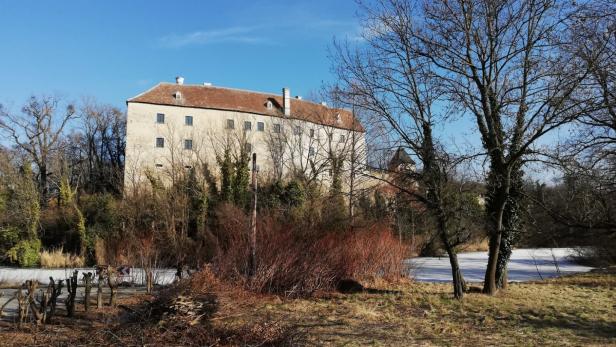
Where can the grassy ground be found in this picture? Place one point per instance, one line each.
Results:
(578, 310)
(571, 311)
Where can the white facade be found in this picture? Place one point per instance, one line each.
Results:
(299, 146)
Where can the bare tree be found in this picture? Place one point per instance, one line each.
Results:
(498, 61)
(103, 140)
(394, 85)
(582, 205)
(38, 131)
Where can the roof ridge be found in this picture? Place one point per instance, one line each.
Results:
(220, 87)
(244, 91)
(147, 91)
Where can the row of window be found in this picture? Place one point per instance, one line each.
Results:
(188, 120)
(160, 119)
(188, 145)
(297, 130)
(248, 125)
(160, 143)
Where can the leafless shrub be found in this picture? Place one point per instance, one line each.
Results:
(299, 263)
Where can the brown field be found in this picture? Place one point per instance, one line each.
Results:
(570, 311)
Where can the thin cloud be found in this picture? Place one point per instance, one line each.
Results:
(238, 34)
(263, 34)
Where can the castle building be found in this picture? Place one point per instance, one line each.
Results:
(174, 126)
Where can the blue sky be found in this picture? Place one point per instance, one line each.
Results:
(113, 50)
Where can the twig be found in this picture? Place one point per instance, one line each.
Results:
(536, 266)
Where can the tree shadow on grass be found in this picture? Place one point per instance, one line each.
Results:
(585, 327)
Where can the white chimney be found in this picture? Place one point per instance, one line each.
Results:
(179, 80)
(323, 103)
(207, 84)
(286, 101)
(298, 97)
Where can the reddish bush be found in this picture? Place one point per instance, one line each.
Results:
(298, 262)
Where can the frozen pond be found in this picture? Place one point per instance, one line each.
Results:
(15, 276)
(525, 265)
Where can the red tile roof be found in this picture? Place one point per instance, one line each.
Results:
(209, 97)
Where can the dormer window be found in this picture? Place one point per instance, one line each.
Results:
(177, 95)
(269, 104)
(338, 119)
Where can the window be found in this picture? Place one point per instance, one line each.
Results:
(230, 124)
(248, 147)
(311, 133)
(188, 144)
(188, 120)
(277, 128)
(159, 165)
(247, 126)
(297, 130)
(160, 142)
(341, 138)
(269, 105)
(260, 126)
(160, 118)
(310, 151)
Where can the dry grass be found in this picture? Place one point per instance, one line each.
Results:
(57, 259)
(479, 245)
(571, 311)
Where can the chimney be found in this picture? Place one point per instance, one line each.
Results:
(179, 80)
(286, 101)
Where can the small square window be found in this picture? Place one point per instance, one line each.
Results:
(311, 133)
(260, 126)
(248, 147)
(297, 130)
(188, 144)
(230, 124)
(160, 118)
(341, 138)
(160, 142)
(277, 128)
(247, 126)
(188, 120)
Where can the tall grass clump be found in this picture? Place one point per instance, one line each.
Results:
(58, 259)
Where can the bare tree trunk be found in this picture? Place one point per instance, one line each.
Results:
(489, 285)
(22, 303)
(112, 282)
(56, 291)
(149, 279)
(99, 291)
(87, 280)
(71, 284)
(252, 262)
(459, 285)
(43, 183)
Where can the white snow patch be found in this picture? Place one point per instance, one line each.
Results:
(17, 276)
(525, 265)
